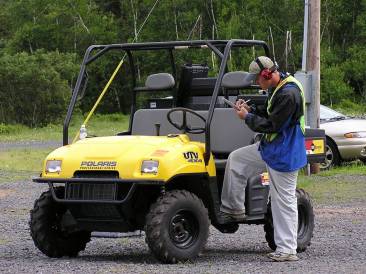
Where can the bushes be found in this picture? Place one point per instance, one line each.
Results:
(8, 129)
(35, 88)
(351, 108)
(333, 87)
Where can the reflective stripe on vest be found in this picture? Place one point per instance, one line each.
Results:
(290, 79)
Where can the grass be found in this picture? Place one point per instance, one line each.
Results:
(99, 125)
(21, 164)
(341, 190)
(339, 185)
(355, 168)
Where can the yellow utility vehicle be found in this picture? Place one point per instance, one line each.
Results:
(164, 174)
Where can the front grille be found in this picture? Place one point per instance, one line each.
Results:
(96, 174)
(90, 191)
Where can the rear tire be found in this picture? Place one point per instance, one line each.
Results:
(305, 222)
(177, 227)
(46, 230)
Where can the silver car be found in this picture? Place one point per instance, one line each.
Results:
(346, 137)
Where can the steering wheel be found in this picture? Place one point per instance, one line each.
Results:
(184, 126)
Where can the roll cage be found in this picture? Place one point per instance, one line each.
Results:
(221, 48)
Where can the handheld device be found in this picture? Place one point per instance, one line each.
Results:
(231, 103)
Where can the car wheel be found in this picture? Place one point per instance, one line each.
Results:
(332, 157)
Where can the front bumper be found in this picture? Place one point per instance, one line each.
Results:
(352, 152)
(95, 190)
(351, 148)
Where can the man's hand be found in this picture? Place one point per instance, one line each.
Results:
(244, 104)
(241, 109)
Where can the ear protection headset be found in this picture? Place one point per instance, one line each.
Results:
(266, 73)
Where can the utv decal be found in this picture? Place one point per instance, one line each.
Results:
(98, 165)
(192, 157)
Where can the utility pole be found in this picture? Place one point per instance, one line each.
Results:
(313, 60)
(309, 75)
(313, 66)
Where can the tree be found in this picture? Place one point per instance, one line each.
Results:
(35, 87)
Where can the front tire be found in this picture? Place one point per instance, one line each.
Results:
(305, 222)
(177, 227)
(47, 232)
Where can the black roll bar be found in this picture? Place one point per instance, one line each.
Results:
(133, 72)
(215, 45)
(75, 93)
(223, 65)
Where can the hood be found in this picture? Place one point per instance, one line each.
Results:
(339, 128)
(125, 154)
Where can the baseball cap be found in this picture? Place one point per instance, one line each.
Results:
(264, 60)
(254, 68)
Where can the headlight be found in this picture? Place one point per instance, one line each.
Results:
(53, 166)
(360, 134)
(149, 166)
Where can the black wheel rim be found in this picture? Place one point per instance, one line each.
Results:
(183, 229)
(302, 221)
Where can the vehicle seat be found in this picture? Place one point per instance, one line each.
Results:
(160, 82)
(228, 132)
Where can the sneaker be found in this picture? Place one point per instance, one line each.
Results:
(225, 218)
(282, 257)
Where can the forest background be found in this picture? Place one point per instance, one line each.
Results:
(42, 43)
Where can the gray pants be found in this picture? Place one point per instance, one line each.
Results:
(246, 162)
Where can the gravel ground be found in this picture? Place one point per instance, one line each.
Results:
(338, 246)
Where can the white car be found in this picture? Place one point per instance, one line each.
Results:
(346, 137)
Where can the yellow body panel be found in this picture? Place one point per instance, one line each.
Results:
(176, 155)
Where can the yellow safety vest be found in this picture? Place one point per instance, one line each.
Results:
(269, 137)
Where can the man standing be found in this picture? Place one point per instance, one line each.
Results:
(281, 151)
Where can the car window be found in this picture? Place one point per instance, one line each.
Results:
(327, 113)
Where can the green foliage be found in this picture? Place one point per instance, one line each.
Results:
(8, 129)
(42, 43)
(351, 108)
(67, 26)
(35, 88)
(332, 85)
